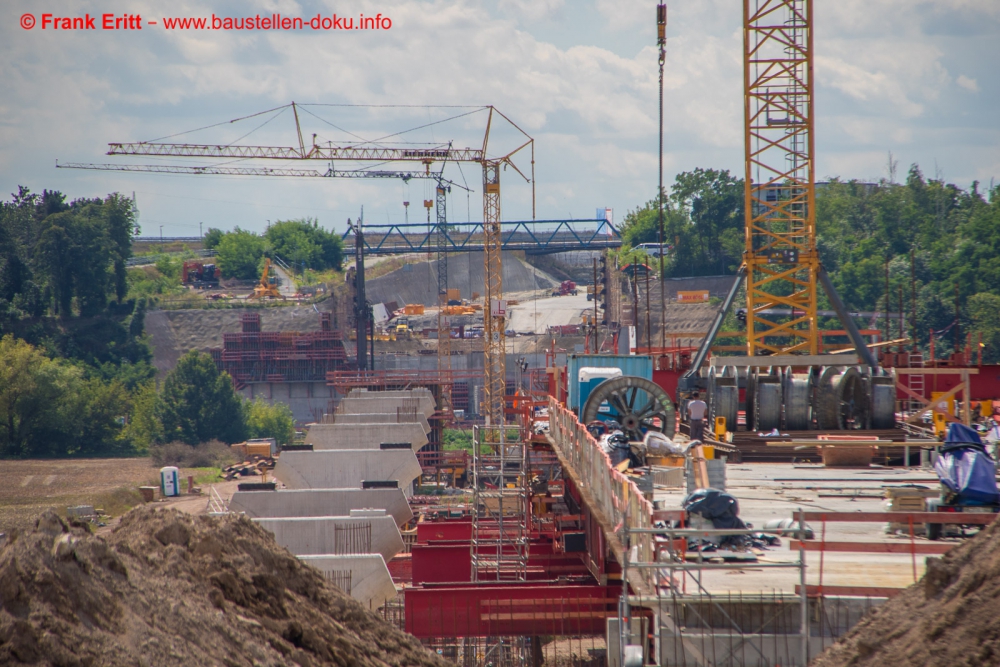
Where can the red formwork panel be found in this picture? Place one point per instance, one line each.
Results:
(484, 610)
(401, 569)
(428, 531)
(446, 563)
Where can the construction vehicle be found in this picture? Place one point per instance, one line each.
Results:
(200, 275)
(566, 288)
(968, 479)
(267, 288)
(402, 328)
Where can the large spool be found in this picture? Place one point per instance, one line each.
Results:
(797, 398)
(637, 404)
(883, 406)
(842, 399)
(724, 394)
(767, 400)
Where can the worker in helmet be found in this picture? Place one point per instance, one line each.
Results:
(696, 409)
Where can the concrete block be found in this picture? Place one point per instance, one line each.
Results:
(366, 576)
(310, 536)
(380, 418)
(358, 405)
(423, 394)
(346, 468)
(364, 436)
(320, 502)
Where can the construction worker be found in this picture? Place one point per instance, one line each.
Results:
(696, 409)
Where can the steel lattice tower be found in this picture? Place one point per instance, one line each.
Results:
(781, 260)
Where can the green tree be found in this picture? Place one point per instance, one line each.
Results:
(240, 254)
(32, 387)
(984, 316)
(121, 216)
(303, 240)
(212, 238)
(145, 426)
(270, 421)
(199, 403)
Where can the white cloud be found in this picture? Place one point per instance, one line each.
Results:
(967, 83)
(580, 78)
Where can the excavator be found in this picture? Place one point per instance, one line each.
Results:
(268, 285)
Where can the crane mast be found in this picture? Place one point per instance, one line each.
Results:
(782, 265)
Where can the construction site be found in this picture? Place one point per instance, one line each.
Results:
(714, 471)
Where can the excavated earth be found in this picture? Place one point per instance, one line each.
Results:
(950, 618)
(165, 588)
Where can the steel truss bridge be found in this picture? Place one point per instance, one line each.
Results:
(534, 237)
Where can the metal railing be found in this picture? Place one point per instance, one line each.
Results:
(613, 497)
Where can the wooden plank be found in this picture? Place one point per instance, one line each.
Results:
(838, 443)
(874, 547)
(970, 518)
(850, 591)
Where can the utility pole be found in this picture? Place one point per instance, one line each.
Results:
(201, 231)
(661, 40)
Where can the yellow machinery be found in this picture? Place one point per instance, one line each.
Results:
(267, 288)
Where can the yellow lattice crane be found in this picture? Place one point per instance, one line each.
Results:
(494, 371)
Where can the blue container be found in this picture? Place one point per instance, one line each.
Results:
(635, 365)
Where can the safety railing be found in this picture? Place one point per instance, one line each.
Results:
(613, 496)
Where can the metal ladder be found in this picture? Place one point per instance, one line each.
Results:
(916, 382)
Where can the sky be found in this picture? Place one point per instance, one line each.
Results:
(916, 78)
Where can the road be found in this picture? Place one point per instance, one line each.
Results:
(538, 315)
(286, 283)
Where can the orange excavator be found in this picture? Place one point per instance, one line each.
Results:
(267, 288)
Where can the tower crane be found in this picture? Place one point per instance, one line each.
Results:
(494, 315)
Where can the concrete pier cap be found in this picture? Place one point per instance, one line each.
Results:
(364, 436)
(369, 580)
(326, 535)
(346, 468)
(320, 502)
(380, 418)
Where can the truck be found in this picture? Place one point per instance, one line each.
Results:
(200, 275)
(402, 328)
(968, 479)
(566, 288)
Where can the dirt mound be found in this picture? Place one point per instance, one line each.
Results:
(166, 588)
(950, 617)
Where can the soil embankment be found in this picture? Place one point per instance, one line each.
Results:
(165, 588)
(950, 617)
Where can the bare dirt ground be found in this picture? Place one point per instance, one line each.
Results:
(29, 487)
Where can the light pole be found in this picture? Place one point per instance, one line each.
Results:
(161, 236)
(201, 232)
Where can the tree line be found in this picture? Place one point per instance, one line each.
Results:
(76, 373)
(941, 244)
(300, 243)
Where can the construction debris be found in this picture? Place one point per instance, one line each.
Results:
(166, 588)
(948, 618)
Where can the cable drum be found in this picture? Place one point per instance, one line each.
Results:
(768, 404)
(797, 395)
(883, 409)
(726, 404)
(842, 399)
(637, 404)
(749, 406)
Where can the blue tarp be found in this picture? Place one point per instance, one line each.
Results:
(965, 468)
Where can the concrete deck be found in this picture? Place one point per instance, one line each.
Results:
(320, 502)
(371, 583)
(346, 468)
(364, 436)
(769, 491)
(310, 536)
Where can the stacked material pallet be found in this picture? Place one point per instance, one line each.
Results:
(345, 497)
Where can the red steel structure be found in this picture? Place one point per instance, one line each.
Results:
(272, 356)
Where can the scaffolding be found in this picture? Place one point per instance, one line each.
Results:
(280, 356)
(501, 530)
